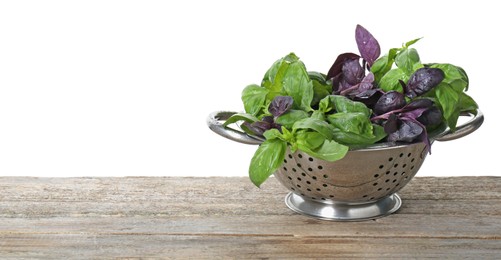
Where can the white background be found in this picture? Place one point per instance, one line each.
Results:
(118, 88)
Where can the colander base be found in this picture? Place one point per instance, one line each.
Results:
(343, 211)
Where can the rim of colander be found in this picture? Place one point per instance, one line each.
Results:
(389, 145)
(393, 145)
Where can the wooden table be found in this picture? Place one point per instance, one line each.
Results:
(214, 218)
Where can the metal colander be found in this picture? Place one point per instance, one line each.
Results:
(360, 186)
(363, 180)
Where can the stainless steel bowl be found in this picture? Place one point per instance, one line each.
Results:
(360, 186)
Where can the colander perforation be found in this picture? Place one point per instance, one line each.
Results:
(363, 177)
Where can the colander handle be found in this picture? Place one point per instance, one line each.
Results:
(465, 129)
(214, 122)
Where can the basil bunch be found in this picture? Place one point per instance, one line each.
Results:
(363, 99)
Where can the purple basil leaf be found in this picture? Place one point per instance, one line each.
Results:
(423, 137)
(342, 87)
(248, 125)
(337, 67)
(431, 117)
(402, 83)
(336, 83)
(366, 82)
(255, 127)
(422, 81)
(353, 72)
(277, 126)
(391, 124)
(260, 127)
(369, 97)
(364, 85)
(280, 105)
(419, 103)
(408, 131)
(271, 121)
(391, 100)
(348, 90)
(367, 45)
(268, 119)
(413, 114)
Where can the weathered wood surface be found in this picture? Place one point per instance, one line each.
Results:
(214, 218)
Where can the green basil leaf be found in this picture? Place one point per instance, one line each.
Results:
(330, 150)
(269, 76)
(317, 114)
(452, 120)
(467, 104)
(417, 66)
(411, 42)
(317, 76)
(326, 104)
(384, 64)
(297, 84)
(379, 67)
(310, 140)
(254, 99)
(288, 76)
(240, 117)
(390, 80)
(355, 129)
(287, 135)
(274, 76)
(321, 88)
(266, 160)
(454, 76)
(314, 124)
(353, 139)
(357, 123)
(407, 59)
(288, 119)
(449, 94)
(465, 77)
(448, 99)
(378, 133)
(343, 104)
(272, 134)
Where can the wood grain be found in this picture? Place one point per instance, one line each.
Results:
(229, 218)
